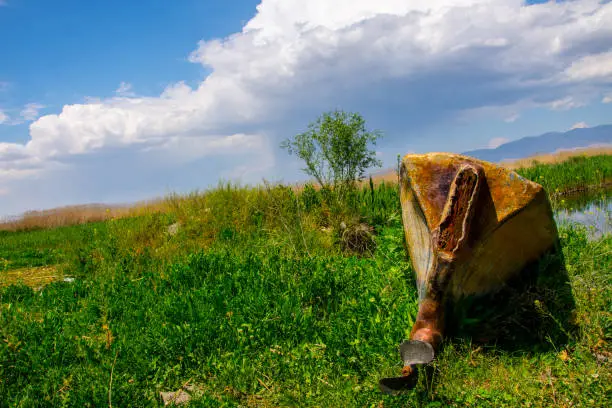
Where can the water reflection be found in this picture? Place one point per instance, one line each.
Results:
(593, 210)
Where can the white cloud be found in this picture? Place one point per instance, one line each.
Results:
(411, 63)
(592, 67)
(125, 89)
(497, 141)
(512, 118)
(607, 99)
(579, 125)
(30, 111)
(17, 163)
(566, 103)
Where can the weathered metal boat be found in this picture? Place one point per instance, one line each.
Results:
(470, 227)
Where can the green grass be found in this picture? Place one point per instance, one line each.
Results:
(36, 248)
(317, 330)
(256, 301)
(576, 173)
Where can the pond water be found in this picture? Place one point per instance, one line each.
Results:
(593, 210)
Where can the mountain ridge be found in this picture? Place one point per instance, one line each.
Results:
(546, 143)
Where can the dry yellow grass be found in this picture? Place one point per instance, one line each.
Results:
(557, 157)
(73, 215)
(32, 277)
(79, 214)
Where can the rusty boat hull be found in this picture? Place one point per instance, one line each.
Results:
(470, 227)
(512, 225)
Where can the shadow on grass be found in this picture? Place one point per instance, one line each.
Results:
(532, 313)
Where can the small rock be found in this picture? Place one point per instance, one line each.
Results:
(173, 229)
(68, 279)
(177, 397)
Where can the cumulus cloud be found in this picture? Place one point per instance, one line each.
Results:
(30, 111)
(3, 117)
(607, 99)
(592, 67)
(497, 141)
(403, 64)
(579, 125)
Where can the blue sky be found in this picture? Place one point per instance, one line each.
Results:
(114, 101)
(59, 52)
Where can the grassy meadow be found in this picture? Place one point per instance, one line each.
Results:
(576, 174)
(266, 297)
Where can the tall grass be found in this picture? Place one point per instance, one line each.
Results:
(79, 214)
(572, 175)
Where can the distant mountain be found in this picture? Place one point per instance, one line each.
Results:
(546, 143)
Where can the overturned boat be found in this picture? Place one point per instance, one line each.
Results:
(470, 227)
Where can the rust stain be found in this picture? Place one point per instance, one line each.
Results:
(459, 209)
(431, 175)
